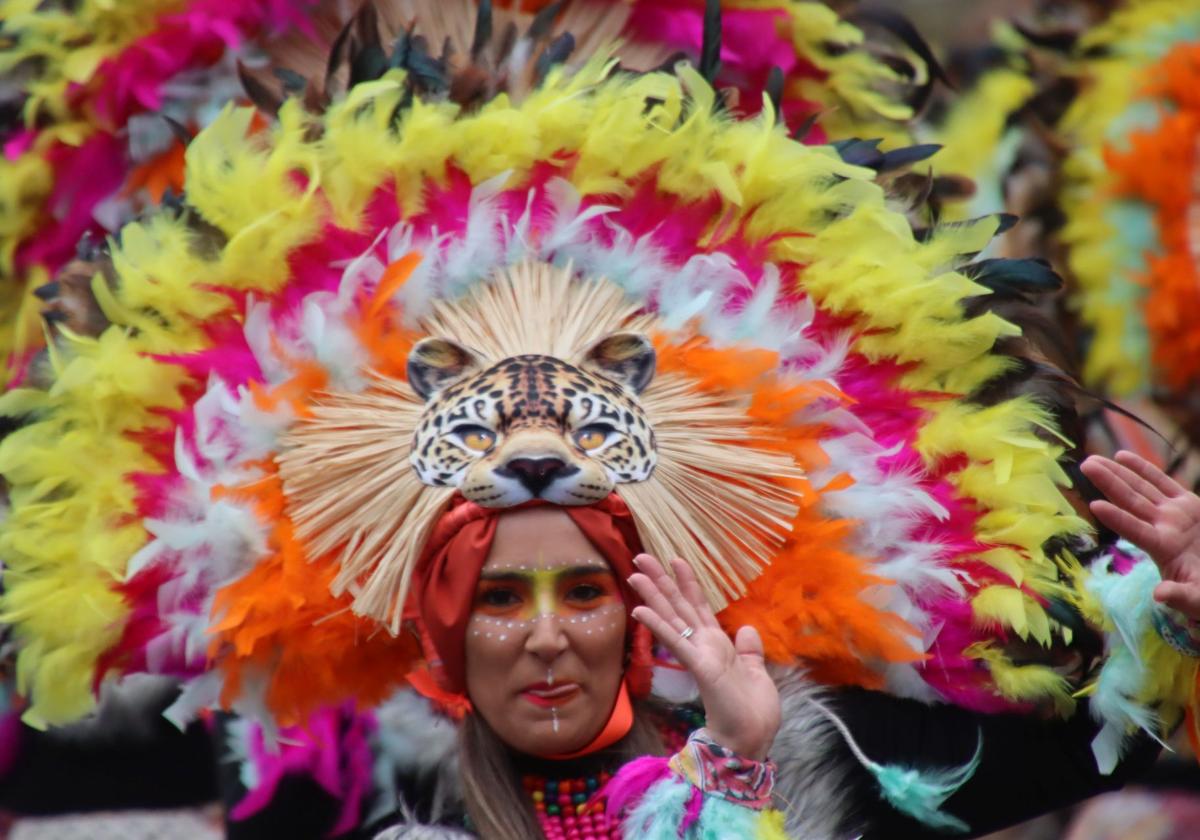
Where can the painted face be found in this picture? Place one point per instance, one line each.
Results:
(545, 643)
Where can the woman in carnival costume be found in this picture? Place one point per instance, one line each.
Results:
(600, 301)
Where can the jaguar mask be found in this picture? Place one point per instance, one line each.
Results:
(533, 426)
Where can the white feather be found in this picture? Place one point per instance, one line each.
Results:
(480, 251)
(568, 225)
(203, 692)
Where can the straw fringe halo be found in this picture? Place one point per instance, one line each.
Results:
(717, 498)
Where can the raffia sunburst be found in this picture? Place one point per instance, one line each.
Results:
(717, 498)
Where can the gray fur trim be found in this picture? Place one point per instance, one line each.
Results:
(126, 712)
(412, 831)
(409, 829)
(812, 784)
(413, 739)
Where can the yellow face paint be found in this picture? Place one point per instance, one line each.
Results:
(525, 593)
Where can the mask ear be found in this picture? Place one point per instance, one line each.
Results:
(627, 358)
(435, 363)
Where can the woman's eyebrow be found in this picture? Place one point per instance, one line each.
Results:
(515, 575)
(594, 569)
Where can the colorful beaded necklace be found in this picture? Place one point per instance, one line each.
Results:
(568, 809)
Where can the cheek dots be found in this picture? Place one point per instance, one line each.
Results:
(500, 629)
(595, 622)
(592, 622)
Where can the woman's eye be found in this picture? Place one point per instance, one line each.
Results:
(593, 436)
(500, 598)
(584, 592)
(476, 437)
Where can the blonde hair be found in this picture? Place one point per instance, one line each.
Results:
(497, 804)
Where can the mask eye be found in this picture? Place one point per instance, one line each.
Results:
(593, 436)
(476, 438)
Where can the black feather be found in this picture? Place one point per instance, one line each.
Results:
(902, 28)
(1061, 40)
(173, 201)
(367, 64)
(428, 72)
(774, 91)
(47, 291)
(557, 52)
(9, 424)
(1014, 276)
(265, 99)
(399, 56)
(805, 127)
(366, 26)
(710, 48)
(899, 158)
(178, 129)
(87, 248)
(859, 152)
(292, 81)
(337, 52)
(483, 29)
(543, 21)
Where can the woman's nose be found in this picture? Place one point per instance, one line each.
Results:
(547, 639)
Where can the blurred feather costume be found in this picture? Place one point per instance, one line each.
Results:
(838, 433)
(1081, 125)
(1128, 196)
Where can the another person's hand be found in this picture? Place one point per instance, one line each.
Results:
(1154, 512)
(741, 702)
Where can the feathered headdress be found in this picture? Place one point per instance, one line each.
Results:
(806, 398)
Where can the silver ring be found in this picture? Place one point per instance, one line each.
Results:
(686, 633)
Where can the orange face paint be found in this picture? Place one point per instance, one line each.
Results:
(520, 594)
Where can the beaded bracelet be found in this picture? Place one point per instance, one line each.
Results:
(1181, 633)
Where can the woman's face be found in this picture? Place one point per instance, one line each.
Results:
(545, 642)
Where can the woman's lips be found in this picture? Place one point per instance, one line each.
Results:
(545, 695)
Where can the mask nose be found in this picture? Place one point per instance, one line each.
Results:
(536, 474)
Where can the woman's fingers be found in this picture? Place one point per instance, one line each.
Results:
(694, 593)
(1184, 597)
(1122, 486)
(667, 635)
(749, 644)
(1166, 485)
(1127, 525)
(669, 590)
(652, 596)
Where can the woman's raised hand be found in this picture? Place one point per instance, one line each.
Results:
(741, 702)
(1151, 510)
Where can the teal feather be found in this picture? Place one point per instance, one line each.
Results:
(1128, 602)
(660, 813)
(920, 793)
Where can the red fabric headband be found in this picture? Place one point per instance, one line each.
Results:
(448, 572)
